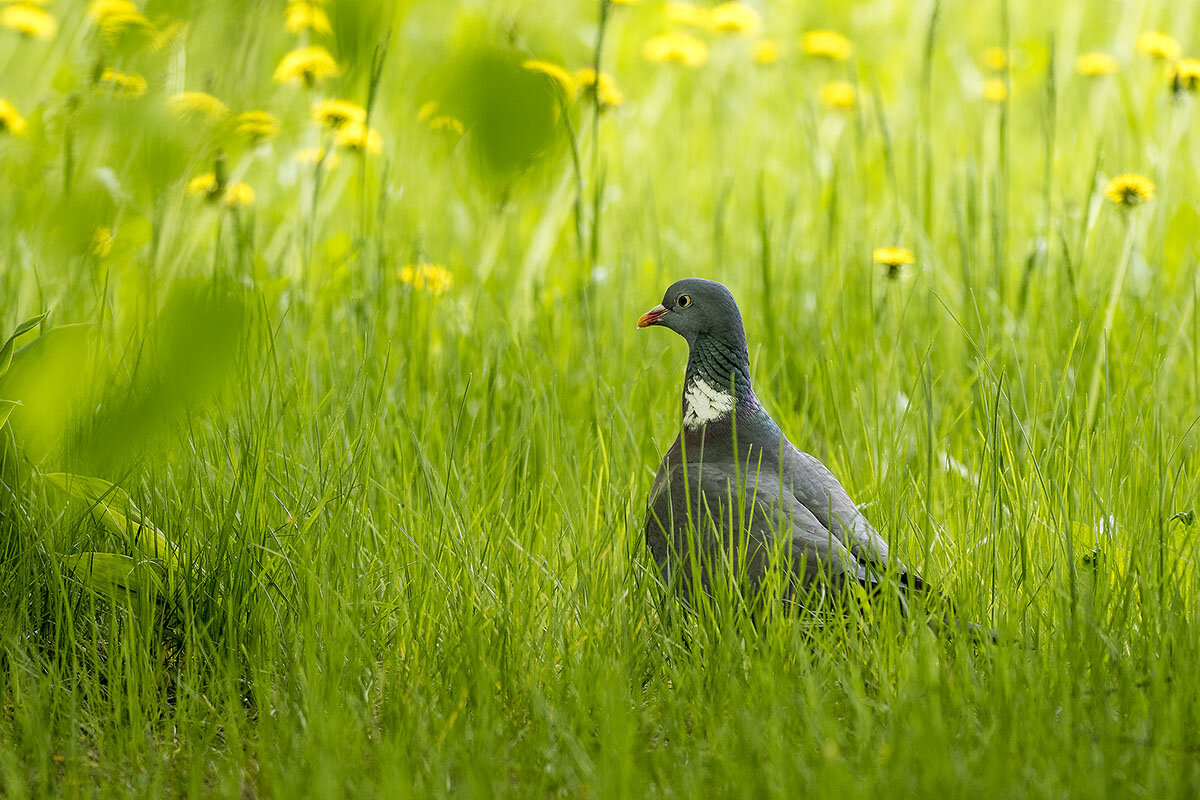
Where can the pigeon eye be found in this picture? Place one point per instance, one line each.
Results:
(684, 301)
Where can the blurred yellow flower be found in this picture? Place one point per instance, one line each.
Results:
(302, 16)
(550, 70)
(445, 122)
(205, 184)
(765, 52)
(675, 46)
(102, 242)
(29, 20)
(1158, 45)
(893, 258)
(336, 113)
(995, 59)
(1186, 75)
(239, 194)
(838, 94)
(827, 44)
(116, 17)
(1130, 190)
(995, 90)
(129, 85)
(167, 35)
(234, 195)
(687, 14)
(10, 120)
(1095, 64)
(99, 9)
(357, 136)
(306, 65)
(604, 88)
(256, 125)
(432, 278)
(315, 155)
(733, 17)
(199, 103)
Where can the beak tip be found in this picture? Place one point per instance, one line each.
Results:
(651, 317)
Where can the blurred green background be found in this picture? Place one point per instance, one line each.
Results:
(342, 297)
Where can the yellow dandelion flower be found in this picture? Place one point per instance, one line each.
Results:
(238, 194)
(336, 113)
(357, 136)
(427, 110)
(306, 65)
(167, 35)
(129, 85)
(995, 90)
(1186, 75)
(1153, 44)
(204, 185)
(602, 87)
(1095, 64)
(733, 17)
(424, 277)
(29, 20)
(995, 59)
(316, 155)
(10, 120)
(547, 68)
(827, 44)
(676, 46)
(765, 52)
(303, 16)
(839, 95)
(894, 258)
(687, 14)
(446, 123)
(99, 9)
(101, 243)
(115, 18)
(199, 103)
(1130, 190)
(256, 125)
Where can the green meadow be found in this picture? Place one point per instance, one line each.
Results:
(326, 431)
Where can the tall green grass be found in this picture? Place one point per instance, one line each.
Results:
(409, 527)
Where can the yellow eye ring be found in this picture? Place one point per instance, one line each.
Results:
(684, 301)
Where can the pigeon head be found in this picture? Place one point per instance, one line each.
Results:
(696, 308)
(717, 380)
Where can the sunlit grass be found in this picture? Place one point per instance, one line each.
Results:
(342, 295)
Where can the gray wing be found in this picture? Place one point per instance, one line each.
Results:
(821, 493)
(705, 511)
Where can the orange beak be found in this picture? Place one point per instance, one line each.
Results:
(652, 316)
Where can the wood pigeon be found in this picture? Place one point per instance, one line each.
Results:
(733, 487)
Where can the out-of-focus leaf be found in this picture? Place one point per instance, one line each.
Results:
(6, 352)
(116, 577)
(48, 377)
(116, 511)
(190, 350)
(509, 111)
(6, 408)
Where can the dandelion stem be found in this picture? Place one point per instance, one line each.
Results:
(1109, 313)
(605, 8)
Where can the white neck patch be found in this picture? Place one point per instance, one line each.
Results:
(703, 404)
